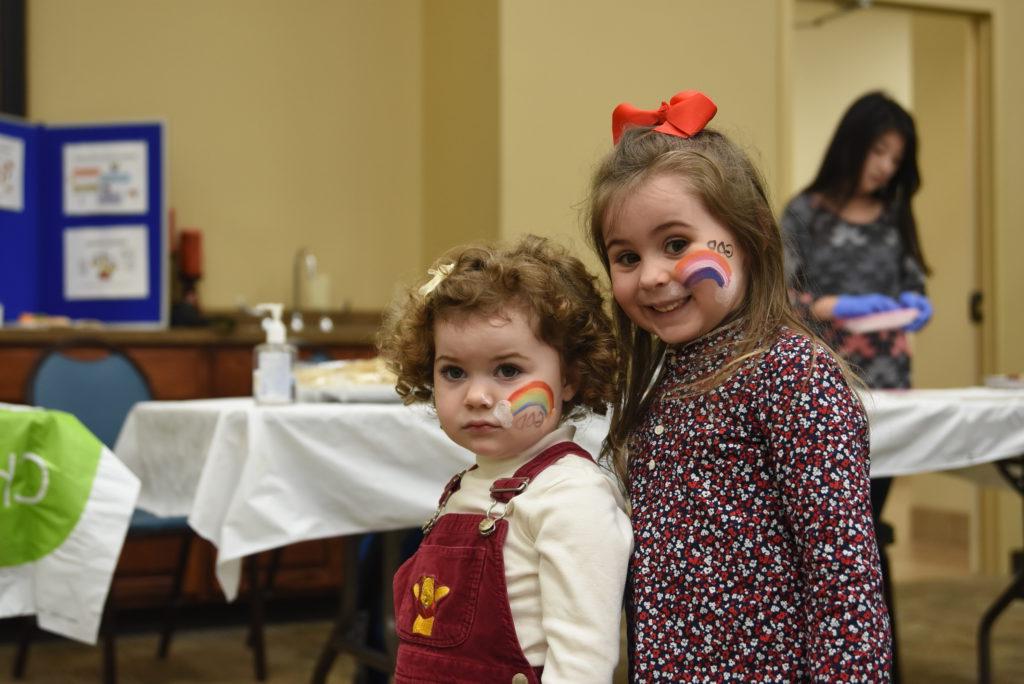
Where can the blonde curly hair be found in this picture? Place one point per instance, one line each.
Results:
(534, 275)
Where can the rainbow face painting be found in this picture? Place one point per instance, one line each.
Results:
(537, 394)
(703, 264)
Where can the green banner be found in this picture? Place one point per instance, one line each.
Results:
(48, 461)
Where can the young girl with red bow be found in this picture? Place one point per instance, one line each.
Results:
(744, 450)
(521, 571)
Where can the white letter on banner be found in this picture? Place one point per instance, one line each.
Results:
(43, 486)
(9, 476)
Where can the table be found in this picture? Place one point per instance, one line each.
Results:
(253, 478)
(921, 431)
(65, 505)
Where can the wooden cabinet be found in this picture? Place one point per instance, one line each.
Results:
(188, 363)
(145, 571)
(15, 365)
(194, 364)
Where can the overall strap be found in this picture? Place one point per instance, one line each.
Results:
(449, 489)
(453, 486)
(504, 489)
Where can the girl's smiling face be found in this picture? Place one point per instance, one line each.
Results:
(676, 271)
(498, 388)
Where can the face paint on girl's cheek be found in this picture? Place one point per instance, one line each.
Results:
(527, 407)
(705, 265)
(503, 413)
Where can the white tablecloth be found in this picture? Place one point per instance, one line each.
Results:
(920, 431)
(254, 478)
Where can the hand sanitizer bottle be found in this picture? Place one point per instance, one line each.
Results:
(272, 378)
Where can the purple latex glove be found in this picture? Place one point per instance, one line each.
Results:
(851, 306)
(916, 300)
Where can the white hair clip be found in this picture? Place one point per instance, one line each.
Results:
(439, 274)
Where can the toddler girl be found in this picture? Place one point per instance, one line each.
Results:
(521, 570)
(744, 449)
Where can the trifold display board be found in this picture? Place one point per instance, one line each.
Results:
(82, 229)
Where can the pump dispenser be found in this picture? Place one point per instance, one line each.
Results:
(272, 378)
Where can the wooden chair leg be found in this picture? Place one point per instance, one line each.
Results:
(352, 625)
(256, 618)
(175, 600)
(344, 623)
(392, 559)
(26, 634)
(108, 627)
(275, 563)
(267, 587)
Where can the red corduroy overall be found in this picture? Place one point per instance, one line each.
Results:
(451, 604)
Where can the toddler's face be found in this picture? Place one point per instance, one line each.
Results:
(497, 387)
(676, 271)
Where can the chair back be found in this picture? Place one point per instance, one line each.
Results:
(99, 388)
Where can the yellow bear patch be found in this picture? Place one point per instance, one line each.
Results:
(428, 593)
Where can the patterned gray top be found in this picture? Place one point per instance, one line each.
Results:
(826, 255)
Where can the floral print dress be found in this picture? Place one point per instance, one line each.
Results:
(754, 554)
(826, 255)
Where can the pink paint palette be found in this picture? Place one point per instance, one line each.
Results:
(886, 320)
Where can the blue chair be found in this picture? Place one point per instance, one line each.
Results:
(99, 385)
(91, 380)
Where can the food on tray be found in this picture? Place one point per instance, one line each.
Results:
(886, 320)
(1005, 381)
(343, 373)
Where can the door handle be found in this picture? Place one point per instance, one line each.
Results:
(974, 310)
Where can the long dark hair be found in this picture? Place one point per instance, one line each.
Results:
(870, 117)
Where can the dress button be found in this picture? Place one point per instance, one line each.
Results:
(658, 429)
(651, 464)
(520, 678)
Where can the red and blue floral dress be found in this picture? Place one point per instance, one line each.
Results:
(754, 554)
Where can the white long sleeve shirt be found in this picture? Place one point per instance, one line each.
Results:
(566, 555)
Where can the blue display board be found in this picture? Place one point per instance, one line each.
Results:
(20, 280)
(90, 241)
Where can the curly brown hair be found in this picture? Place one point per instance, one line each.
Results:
(562, 297)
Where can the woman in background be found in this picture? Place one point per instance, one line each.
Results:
(852, 250)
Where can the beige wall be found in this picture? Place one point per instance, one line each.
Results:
(1006, 308)
(831, 67)
(461, 116)
(289, 124)
(566, 64)
(339, 125)
(947, 353)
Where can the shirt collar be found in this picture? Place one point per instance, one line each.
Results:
(696, 358)
(502, 467)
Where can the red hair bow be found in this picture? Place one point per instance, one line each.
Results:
(685, 115)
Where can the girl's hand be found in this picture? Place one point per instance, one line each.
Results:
(851, 306)
(916, 300)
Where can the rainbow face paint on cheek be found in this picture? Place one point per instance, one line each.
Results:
(701, 265)
(533, 395)
(537, 393)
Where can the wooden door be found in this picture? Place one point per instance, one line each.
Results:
(944, 76)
